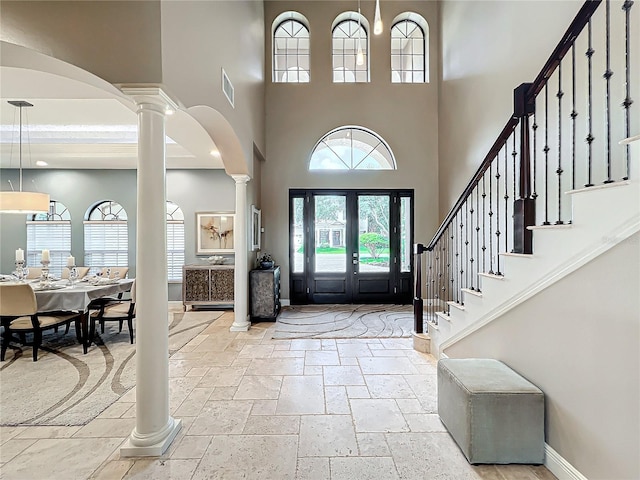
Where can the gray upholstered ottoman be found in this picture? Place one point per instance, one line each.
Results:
(493, 414)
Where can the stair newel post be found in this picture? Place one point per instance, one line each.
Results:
(418, 250)
(524, 213)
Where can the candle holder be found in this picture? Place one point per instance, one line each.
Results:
(44, 276)
(21, 272)
(73, 274)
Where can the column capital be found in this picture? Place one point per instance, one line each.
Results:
(146, 94)
(241, 178)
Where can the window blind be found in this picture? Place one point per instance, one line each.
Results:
(52, 235)
(106, 244)
(175, 250)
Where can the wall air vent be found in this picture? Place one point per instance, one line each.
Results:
(227, 88)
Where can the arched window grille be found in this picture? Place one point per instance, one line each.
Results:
(106, 239)
(409, 47)
(52, 231)
(175, 242)
(349, 36)
(352, 148)
(290, 49)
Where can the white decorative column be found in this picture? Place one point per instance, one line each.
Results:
(155, 429)
(241, 322)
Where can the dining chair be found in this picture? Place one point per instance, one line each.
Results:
(19, 314)
(82, 272)
(124, 310)
(34, 272)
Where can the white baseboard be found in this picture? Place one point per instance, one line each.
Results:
(285, 302)
(557, 465)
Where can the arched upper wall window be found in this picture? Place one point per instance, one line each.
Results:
(409, 49)
(350, 48)
(106, 240)
(352, 148)
(175, 241)
(290, 38)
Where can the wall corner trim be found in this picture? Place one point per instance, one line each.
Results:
(557, 465)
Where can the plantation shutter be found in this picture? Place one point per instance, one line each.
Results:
(106, 244)
(52, 235)
(175, 250)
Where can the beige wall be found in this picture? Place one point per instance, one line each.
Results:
(579, 341)
(488, 49)
(117, 41)
(199, 38)
(298, 115)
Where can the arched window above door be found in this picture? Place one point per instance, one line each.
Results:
(350, 48)
(352, 148)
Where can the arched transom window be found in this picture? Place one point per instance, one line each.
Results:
(51, 231)
(290, 48)
(409, 43)
(352, 148)
(106, 240)
(350, 49)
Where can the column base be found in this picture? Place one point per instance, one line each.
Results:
(421, 342)
(240, 326)
(153, 450)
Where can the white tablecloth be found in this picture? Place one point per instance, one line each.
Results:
(78, 296)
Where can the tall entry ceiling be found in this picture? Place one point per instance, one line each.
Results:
(74, 125)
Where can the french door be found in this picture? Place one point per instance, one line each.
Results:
(350, 246)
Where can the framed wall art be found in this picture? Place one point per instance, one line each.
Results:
(256, 227)
(214, 232)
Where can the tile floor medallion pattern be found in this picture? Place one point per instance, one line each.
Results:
(344, 321)
(66, 387)
(256, 408)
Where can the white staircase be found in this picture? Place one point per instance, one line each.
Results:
(603, 216)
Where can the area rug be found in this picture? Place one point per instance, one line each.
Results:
(344, 321)
(66, 387)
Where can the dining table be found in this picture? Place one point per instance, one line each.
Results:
(61, 295)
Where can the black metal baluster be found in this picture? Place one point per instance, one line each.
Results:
(506, 196)
(430, 281)
(626, 6)
(559, 171)
(490, 221)
(462, 258)
(454, 223)
(607, 76)
(498, 215)
(443, 286)
(436, 276)
(573, 116)
(451, 232)
(534, 195)
(484, 226)
(546, 154)
(590, 138)
(478, 236)
(471, 260)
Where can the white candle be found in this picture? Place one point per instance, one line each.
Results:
(45, 256)
(19, 255)
(71, 261)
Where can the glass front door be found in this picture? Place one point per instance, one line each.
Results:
(350, 246)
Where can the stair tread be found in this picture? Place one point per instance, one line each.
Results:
(550, 227)
(626, 141)
(443, 316)
(492, 275)
(602, 186)
(475, 293)
(456, 305)
(517, 255)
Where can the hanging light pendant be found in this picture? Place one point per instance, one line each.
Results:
(23, 202)
(359, 54)
(377, 21)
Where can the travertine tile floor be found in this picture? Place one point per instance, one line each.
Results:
(257, 408)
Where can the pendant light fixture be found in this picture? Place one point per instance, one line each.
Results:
(377, 21)
(23, 202)
(359, 54)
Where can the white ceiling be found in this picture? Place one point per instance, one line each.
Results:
(73, 125)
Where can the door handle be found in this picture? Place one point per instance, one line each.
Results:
(355, 262)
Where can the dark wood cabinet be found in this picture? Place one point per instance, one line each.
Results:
(264, 293)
